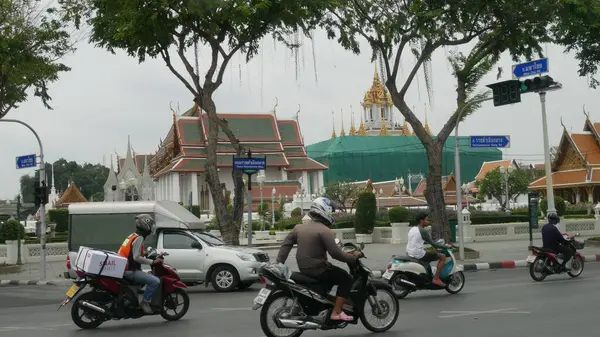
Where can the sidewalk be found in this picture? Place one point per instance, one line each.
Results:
(493, 255)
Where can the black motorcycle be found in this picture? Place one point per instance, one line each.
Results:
(307, 304)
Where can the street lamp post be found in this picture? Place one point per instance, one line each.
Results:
(261, 177)
(19, 262)
(273, 191)
(400, 189)
(466, 189)
(506, 174)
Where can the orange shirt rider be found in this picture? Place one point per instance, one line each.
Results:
(133, 250)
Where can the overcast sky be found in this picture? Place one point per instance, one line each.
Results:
(106, 98)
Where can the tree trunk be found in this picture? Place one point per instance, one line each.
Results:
(434, 193)
(228, 225)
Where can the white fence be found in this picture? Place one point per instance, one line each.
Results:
(396, 234)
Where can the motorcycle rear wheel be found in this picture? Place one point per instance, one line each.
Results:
(94, 297)
(400, 290)
(265, 316)
(538, 263)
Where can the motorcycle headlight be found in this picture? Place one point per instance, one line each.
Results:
(247, 257)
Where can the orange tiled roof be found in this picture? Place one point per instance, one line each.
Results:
(588, 147)
(71, 195)
(489, 166)
(565, 178)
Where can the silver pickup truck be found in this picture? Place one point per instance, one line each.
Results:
(199, 257)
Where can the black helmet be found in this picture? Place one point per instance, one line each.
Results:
(553, 218)
(144, 224)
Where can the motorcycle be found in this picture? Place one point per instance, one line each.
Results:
(308, 304)
(112, 298)
(406, 274)
(543, 262)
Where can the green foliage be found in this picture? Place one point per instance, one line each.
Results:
(343, 193)
(9, 230)
(287, 224)
(264, 210)
(398, 214)
(89, 178)
(296, 212)
(33, 39)
(494, 185)
(559, 203)
(366, 207)
(59, 216)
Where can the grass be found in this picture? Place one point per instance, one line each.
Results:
(467, 249)
(595, 238)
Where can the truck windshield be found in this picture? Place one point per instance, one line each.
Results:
(208, 238)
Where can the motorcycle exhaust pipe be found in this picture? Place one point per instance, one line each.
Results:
(93, 307)
(298, 324)
(408, 283)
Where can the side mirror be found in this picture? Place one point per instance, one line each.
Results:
(149, 250)
(362, 245)
(196, 245)
(338, 242)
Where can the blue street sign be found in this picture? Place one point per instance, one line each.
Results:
(530, 68)
(250, 163)
(26, 161)
(490, 141)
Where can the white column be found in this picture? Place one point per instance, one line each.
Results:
(320, 179)
(306, 182)
(284, 175)
(175, 188)
(194, 185)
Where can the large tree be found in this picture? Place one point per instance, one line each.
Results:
(419, 28)
(90, 179)
(494, 185)
(33, 40)
(343, 192)
(171, 28)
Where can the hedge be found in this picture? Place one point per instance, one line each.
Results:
(296, 212)
(398, 214)
(366, 209)
(559, 202)
(59, 216)
(9, 230)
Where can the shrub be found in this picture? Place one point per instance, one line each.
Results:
(9, 230)
(559, 202)
(382, 216)
(60, 217)
(398, 214)
(287, 224)
(296, 212)
(366, 209)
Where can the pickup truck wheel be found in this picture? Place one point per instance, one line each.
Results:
(225, 279)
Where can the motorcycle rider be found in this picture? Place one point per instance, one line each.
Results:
(417, 236)
(554, 240)
(133, 250)
(314, 240)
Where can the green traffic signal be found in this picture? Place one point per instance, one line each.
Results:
(536, 84)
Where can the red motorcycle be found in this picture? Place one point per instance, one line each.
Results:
(115, 299)
(544, 262)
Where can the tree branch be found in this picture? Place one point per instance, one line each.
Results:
(167, 58)
(188, 66)
(425, 54)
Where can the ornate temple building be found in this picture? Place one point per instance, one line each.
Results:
(132, 180)
(178, 165)
(378, 115)
(576, 166)
(71, 195)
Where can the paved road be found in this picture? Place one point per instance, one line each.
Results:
(493, 303)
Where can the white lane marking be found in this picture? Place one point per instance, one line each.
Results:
(232, 309)
(451, 314)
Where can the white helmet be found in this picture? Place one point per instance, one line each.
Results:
(322, 210)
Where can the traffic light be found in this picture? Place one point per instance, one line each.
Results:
(40, 194)
(506, 92)
(536, 84)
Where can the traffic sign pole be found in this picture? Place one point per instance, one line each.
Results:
(547, 168)
(249, 166)
(459, 220)
(42, 206)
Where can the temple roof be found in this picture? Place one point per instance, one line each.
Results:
(71, 195)
(377, 94)
(489, 166)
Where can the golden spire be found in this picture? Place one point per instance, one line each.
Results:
(342, 132)
(352, 128)
(384, 129)
(333, 135)
(361, 129)
(405, 129)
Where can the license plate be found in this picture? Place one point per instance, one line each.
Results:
(262, 296)
(72, 291)
(387, 275)
(530, 259)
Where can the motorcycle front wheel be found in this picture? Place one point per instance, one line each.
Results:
(277, 303)
(383, 317)
(537, 269)
(576, 267)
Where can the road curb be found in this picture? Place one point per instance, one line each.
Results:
(8, 283)
(510, 264)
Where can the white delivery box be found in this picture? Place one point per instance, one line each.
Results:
(97, 262)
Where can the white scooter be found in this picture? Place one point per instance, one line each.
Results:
(406, 274)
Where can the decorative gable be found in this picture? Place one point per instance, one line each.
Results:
(568, 156)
